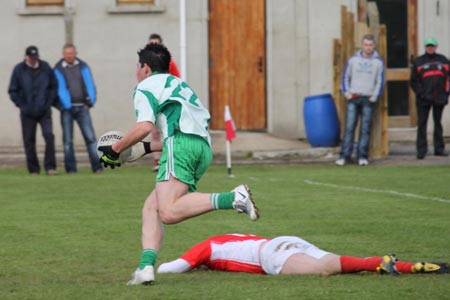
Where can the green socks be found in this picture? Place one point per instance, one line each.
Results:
(222, 200)
(148, 258)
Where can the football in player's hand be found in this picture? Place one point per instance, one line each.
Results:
(109, 138)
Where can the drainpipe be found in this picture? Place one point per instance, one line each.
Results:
(183, 39)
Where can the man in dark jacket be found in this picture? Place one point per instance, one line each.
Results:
(77, 94)
(430, 82)
(33, 89)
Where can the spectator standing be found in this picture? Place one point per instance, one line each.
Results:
(173, 69)
(157, 39)
(430, 74)
(33, 90)
(362, 84)
(77, 94)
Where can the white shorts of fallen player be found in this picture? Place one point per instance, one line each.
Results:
(275, 252)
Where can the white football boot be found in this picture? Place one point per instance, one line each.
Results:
(145, 276)
(243, 202)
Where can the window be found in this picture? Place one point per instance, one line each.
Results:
(135, 1)
(43, 7)
(44, 2)
(135, 6)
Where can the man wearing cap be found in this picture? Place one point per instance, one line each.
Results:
(430, 75)
(33, 89)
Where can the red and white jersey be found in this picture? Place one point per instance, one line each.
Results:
(227, 252)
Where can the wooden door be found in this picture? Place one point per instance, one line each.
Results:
(237, 63)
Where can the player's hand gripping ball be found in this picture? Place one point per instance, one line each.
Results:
(105, 152)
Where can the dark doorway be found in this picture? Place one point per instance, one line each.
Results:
(394, 14)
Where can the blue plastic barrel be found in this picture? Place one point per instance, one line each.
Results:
(321, 121)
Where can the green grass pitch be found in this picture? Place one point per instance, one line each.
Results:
(78, 236)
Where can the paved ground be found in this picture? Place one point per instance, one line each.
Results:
(261, 148)
(254, 148)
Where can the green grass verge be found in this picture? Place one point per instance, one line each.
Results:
(78, 236)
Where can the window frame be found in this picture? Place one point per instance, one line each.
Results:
(23, 9)
(121, 2)
(44, 4)
(124, 8)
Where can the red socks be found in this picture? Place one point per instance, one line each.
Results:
(404, 267)
(351, 264)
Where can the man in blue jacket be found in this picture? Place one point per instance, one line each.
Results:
(33, 89)
(77, 94)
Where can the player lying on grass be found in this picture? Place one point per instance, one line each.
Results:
(285, 255)
(169, 103)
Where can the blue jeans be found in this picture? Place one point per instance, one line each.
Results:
(357, 107)
(81, 115)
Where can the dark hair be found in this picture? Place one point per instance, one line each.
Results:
(155, 36)
(368, 37)
(156, 56)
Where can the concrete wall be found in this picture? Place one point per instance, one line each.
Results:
(17, 33)
(299, 48)
(299, 36)
(108, 42)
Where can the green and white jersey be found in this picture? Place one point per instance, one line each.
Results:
(169, 103)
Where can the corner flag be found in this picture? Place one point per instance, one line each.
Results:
(230, 133)
(230, 129)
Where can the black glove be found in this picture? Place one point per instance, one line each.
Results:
(109, 157)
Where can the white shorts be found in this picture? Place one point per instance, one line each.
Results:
(275, 252)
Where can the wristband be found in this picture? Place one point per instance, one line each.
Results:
(147, 147)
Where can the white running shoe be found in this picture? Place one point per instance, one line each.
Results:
(340, 162)
(363, 162)
(244, 203)
(145, 276)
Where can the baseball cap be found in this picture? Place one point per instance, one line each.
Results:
(430, 41)
(32, 51)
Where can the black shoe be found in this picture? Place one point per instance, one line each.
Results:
(441, 153)
(420, 156)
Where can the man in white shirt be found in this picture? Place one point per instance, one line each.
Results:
(166, 101)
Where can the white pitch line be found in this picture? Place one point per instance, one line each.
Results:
(408, 195)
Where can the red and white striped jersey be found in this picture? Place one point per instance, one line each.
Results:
(227, 252)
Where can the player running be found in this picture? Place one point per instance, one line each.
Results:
(169, 102)
(285, 255)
